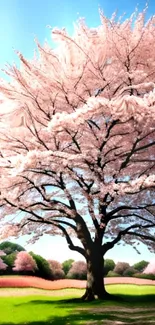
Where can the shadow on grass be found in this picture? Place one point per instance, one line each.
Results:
(137, 299)
(95, 318)
(126, 309)
(119, 299)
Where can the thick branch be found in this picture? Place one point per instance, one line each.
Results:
(125, 207)
(147, 237)
(65, 223)
(65, 233)
(111, 244)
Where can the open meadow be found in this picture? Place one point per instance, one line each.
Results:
(27, 304)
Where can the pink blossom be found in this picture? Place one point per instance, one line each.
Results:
(150, 269)
(3, 266)
(24, 262)
(2, 253)
(77, 138)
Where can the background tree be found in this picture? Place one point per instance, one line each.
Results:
(130, 271)
(150, 268)
(108, 266)
(10, 251)
(10, 260)
(2, 253)
(3, 266)
(78, 271)
(140, 266)
(77, 141)
(9, 247)
(24, 262)
(56, 269)
(121, 267)
(113, 274)
(66, 265)
(43, 268)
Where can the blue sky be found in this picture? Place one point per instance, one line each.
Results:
(23, 20)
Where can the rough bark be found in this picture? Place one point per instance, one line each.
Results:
(95, 287)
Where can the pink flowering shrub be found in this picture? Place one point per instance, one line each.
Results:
(24, 262)
(121, 267)
(2, 253)
(150, 269)
(78, 271)
(56, 269)
(3, 266)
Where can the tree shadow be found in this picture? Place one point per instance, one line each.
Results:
(92, 317)
(74, 302)
(98, 312)
(119, 299)
(138, 299)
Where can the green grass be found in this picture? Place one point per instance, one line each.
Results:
(10, 276)
(136, 306)
(131, 291)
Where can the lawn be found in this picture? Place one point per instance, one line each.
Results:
(56, 307)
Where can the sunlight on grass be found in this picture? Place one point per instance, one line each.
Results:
(57, 308)
(129, 289)
(18, 310)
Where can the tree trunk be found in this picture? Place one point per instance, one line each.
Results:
(95, 282)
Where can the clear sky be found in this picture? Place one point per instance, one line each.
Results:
(23, 20)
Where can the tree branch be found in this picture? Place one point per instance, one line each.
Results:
(109, 245)
(126, 207)
(147, 237)
(65, 233)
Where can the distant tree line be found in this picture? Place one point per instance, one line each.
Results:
(14, 259)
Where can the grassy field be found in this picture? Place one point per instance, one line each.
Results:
(40, 307)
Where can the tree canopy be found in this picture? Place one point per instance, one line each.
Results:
(109, 265)
(78, 270)
(43, 268)
(3, 266)
(56, 269)
(66, 265)
(150, 268)
(140, 266)
(77, 141)
(8, 247)
(24, 262)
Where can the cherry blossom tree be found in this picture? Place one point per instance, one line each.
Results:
(56, 269)
(2, 253)
(3, 266)
(150, 269)
(121, 267)
(24, 262)
(78, 270)
(77, 141)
